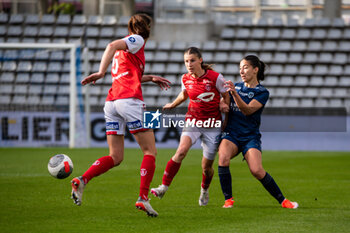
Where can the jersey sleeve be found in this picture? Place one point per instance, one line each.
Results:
(220, 83)
(262, 97)
(182, 84)
(134, 43)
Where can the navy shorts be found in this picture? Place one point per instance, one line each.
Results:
(243, 145)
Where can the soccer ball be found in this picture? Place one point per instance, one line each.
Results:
(60, 166)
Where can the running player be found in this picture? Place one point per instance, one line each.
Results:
(242, 134)
(124, 106)
(203, 86)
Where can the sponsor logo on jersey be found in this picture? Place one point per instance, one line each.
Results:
(206, 96)
(112, 126)
(132, 39)
(134, 125)
(249, 94)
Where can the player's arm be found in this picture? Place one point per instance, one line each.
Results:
(225, 107)
(246, 109)
(182, 97)
(163, 83)
(107, 58)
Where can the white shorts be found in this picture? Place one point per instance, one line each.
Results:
(210, 139)
(124, 112)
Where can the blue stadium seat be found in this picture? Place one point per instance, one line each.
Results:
(16, 19)
(302, 81)
(63, 20)
(258, 33)
(227, 33)
(108, 20)
(243, 33)
(209, 46)
(47, 19)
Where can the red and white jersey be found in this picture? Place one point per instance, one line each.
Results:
(204, 93)
(127, 70)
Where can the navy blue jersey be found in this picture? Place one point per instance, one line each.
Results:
(239, 125)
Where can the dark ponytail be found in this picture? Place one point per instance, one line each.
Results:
(256, 62)
(194, 50)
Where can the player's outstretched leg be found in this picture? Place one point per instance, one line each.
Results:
(160, 191)
(78, 186)
(289, 204)
(146, 206)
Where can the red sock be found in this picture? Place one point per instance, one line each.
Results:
(148, 166)
(170, 171)
(206, 180)
(99, 167)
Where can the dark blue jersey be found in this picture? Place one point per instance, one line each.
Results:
(239, 125)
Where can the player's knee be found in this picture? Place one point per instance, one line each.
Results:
(224, 160)
(258, 173)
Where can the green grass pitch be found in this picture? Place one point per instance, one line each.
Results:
(33, 201)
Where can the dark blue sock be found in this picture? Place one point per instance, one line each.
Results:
(270, 185)
(225, 181)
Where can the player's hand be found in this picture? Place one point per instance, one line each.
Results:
(230, 86)
(92, 78)
(168, 106)
(163, 83)
(224, 107)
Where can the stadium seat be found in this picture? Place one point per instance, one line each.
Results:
(344, 46)
(24, 66)
(320, 69)
(52, 78)
(295, 57)
(278, 102)
(254, 45)
(276, 69)
(288, 34)
(306, 103)
(258, 34)
(271, 81)
(286, 81)
(92, 32)
(94, 20)
(161, 56)
(47, 19)
(121, 32)
(310, 58)
(280, 58)
(60, 31)
(290, 69)
(16, 19)
(64, 100)
(45, 31)
(102, 44)
(265, 57)
(324, 22)
(123, 20)
(109, 20)
(302, 81)
(344, 81)
(319, 34)
(269, 45)
(305, 69)
(164, 45)
(325, 58)
(107, 32)
(336, 103)
(316, 81)
(231, 68)
(334, 34)
(341, 92)
(239, 45)
(176, 56)
(227, 33)
(158, 68)
(15, 31)
(63, 19)
(3, 18)
(5, 99)
(299, 46)
(303, 34)
(78, 20)
(179, 45)
(346, 34)
(30, 31)
(326, 92)
(64, 90)
(330, 46)
(39, 66)
(330, 81)
(209, 46)
(292, 103)
(173, 68)
(224, 46)
(235, 57)
(297, 92)
(243, 33)
(6, 88)
(314, 46)
(336, 70)
(7, 77)
(309, 22)
(340, 58)
(273, 33)
(54, 66)
(338, 23)
(221, 57)
(208, 57)
(48, 100)
(20, 89)
(9, 66)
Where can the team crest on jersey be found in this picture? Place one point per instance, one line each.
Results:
(207, 87)
(132, 39)
(250, 95)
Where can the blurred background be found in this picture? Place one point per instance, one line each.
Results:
(305, 43)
